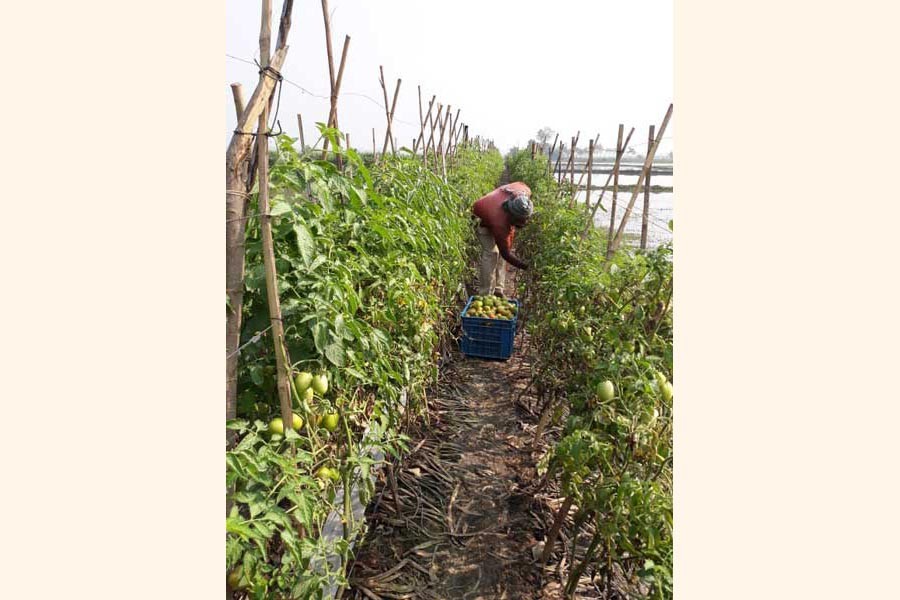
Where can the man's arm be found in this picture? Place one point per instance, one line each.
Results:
(504, 245)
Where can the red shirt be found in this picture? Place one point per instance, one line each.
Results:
(490, 210)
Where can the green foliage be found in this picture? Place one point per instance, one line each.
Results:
(370, 260)
(593, 321)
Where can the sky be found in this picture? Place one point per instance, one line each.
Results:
(512, 67)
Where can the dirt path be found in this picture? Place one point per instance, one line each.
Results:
(467, 516)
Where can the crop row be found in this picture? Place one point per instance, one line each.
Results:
(602, 331)
(371, 262)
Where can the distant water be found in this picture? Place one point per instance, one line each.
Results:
(661, 209)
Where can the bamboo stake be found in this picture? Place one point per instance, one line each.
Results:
(415, 146)
(237, 188)
(590, 168)
(648, 163)
(580, 179)
(327, 18)
(612, 211)
(550, 154)
(430, 144)
(645, 216)
(335, 92)
(452, 133)
(590, 222)
(237, 92)
(554, 530)
(300, 127)
(422, 134)
(441, 144)
(389, 114)
(558, 161)
(374, 152)
(284, 391)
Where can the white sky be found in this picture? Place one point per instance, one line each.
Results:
(511, 66)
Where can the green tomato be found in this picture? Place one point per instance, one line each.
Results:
(330, 421)
(302, 381)
(327, 473)
(667, 391)
(297, 422)
(276, 426)
(320, 384)
(606, 391)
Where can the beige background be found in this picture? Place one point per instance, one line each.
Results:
(111, 443)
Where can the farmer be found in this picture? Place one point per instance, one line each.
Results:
(501, 211)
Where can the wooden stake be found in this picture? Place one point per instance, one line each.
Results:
(327, 17)
(590, 222)
(430, 144)
(236, 195)
(648, 163)
(550, 540)
(415, 146)
(590, 168)
(558, 161)
(237, 93)
(374, 151)
(389, 114)
(284, 391)
(300, 127)
(421, 139)
(441, 143)
(612, 211)
(335, 92)
(646, 213)
(452, 133)
(580, 179)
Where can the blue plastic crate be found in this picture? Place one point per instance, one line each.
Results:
(487, 338)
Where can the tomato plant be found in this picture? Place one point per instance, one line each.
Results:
(603, 334)
(371, 262)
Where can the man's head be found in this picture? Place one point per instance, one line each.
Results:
(519, 208)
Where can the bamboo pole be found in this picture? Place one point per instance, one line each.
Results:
(588, 225)
(422, 134)
(284, 391)
(550, 154)
(558, 161)
(237, 186)
(415, 146)
(441, 144)
(335, 92)
(580, 179)
(430, 144)
(452, 133)
(645, 216)
(612, 211)
(550, 541)
(648, 163)
(590, 168)
(388, 113)
(327, 18)
(300, 128)
(374, 151)
(237, 93)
